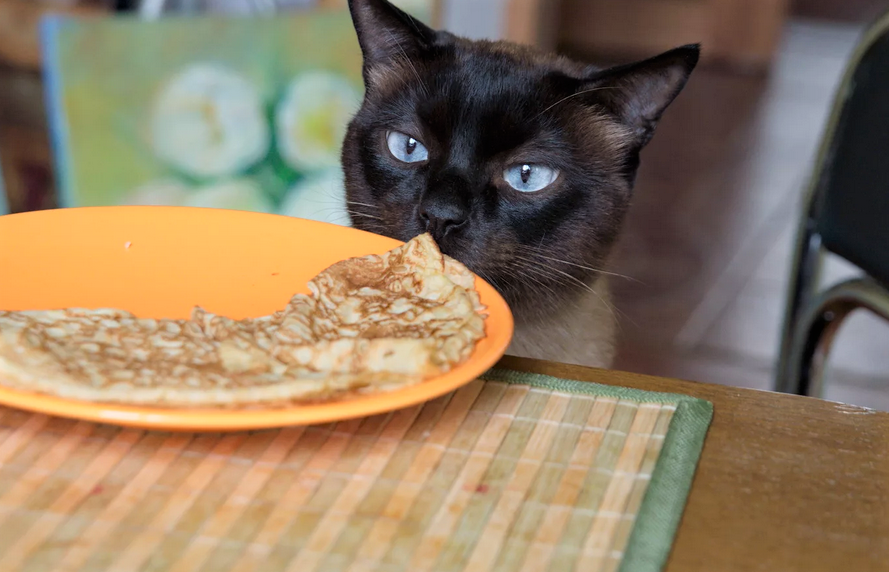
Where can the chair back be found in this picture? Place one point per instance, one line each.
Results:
(850, 204)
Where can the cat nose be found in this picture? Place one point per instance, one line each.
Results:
(445, 205)
(442, 218)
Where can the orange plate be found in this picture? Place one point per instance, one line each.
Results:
(161, 261)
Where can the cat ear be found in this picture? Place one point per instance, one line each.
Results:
(639, 93)
(385, 32)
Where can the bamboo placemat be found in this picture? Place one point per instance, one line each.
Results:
(514, 472)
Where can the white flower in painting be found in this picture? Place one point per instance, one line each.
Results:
(209, 122)
(237, 194)
(163, 192)
(320, 196)
(311, 119)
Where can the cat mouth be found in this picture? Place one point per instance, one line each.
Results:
(442, 247)
(446, 244)
(455, 250)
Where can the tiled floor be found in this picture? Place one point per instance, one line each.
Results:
(709, 237)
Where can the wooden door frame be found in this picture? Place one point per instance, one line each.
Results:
(531, 22)
(740, 33)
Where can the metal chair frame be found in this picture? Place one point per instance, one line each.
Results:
(812, 318)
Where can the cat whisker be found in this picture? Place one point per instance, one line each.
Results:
(537, 270)
(535, 252)
(334, 215)
(573, 95)
(340, 218)
(550, 299)
(357, 204)
(549, 267)
(538, 284)
(325, 201)
(357, 213)
(493, 281)
(326, 196)
(490, 280)
(529, 272)
(611, 308)
(326, 210)
(368, 222)
(536, 287)
(543, 278)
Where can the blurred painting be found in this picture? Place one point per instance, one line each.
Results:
(209, 111)
(4, 207)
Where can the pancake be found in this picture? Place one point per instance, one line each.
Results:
(369, 324)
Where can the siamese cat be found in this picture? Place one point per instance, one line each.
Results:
(520, 164)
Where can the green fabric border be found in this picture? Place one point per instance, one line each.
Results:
(653, 533)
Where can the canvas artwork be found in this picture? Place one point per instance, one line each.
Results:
(4, 206)
(209, 111)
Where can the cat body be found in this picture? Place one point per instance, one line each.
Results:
(521, 164)
(583, 332)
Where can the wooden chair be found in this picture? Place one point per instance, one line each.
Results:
(846, 213)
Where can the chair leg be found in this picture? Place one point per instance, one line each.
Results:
(818, 327)
(811, 347)
(804, 281)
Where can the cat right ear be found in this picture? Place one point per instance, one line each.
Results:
(386, 33)
(639, 93)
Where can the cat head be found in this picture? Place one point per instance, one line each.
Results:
(520, 163)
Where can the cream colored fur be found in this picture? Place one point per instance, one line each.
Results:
(583, 333)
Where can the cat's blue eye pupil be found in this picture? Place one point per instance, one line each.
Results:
(526, 173)
(529, 177)
(405, 148)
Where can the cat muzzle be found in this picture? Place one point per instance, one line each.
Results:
(440, 218)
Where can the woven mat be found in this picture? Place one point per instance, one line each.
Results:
(516, 472)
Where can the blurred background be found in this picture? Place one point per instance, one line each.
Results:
(708, 240)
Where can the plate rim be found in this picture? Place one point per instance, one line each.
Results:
(179, 419)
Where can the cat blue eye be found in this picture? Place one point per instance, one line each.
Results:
(529, 178)
(405, 148)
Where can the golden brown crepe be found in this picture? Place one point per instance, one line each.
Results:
(370, 324)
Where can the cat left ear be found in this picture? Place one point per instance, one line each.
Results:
(639, 93)
(385, 32)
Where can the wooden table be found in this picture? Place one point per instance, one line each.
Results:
(784, 484)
